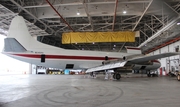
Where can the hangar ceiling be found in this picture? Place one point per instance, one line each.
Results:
(155, 19)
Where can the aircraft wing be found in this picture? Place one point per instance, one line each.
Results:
(107, 66)
(152, 57)
(136, 60)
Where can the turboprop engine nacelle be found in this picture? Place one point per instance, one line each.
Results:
(131, 56)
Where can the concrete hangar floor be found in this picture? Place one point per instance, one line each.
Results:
(81, 91)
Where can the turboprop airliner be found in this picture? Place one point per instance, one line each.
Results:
(20, 45)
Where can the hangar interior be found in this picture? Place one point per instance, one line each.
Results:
(156, 20)
(158, 23)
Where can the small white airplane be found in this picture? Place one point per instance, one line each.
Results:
(20, 45)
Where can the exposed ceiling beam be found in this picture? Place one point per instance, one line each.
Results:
(89, 17)
(121, 2)
(144, 33)
(150, 28)
(52, 31)
(142, 15)
(84, 27)
(114, 18)
(103, 27)
(96, 24)
(158, 19)
(122, 46)
(130, 18)
(89, 3)
(46, 5)
(7, 14)
(168, 26)
(172, 8)
(60, 15)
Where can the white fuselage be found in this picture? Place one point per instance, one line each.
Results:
(59, 58)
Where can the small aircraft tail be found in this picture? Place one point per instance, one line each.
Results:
(19, 34)
(133, 50)
(19, 31)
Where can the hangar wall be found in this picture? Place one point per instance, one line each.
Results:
(168, 62)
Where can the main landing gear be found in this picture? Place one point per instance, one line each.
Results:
(148, 74)
(92, 75)
(116, 76)
(178, 76)
(151, 74)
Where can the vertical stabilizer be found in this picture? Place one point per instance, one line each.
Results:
(133, 50)
(19, 31)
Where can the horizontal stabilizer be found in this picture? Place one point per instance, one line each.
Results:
(12, 45)
(133, 50)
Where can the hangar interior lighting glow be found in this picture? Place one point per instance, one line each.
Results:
(78, 13)
(124, 12)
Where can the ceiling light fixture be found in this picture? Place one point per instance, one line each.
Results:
(78, 13)
(124, 12)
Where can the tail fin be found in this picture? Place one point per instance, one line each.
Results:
(19, 31)
(133, 50)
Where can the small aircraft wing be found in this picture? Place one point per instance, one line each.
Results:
(136, 60)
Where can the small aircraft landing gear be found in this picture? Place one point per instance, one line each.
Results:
(178, 76)
(93, 75)
(117, 76)
(148, 74)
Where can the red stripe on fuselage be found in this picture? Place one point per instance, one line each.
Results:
(64, 57)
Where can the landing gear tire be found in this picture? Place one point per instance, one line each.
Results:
(118, 76)
(178, 77)
(114, 76)
(148, 74)
(91, 74)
